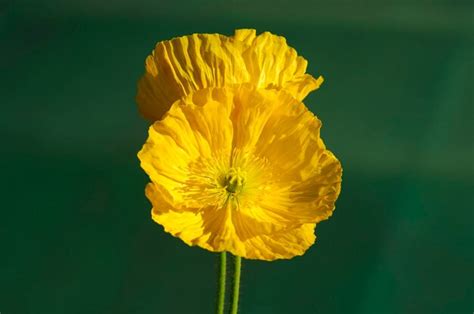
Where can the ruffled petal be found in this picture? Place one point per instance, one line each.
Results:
(195, 229)
(185, 151)
(271, 63)
(281, 245)
(180, 66)
(185, 64)
(300, 180)
(186, 224)
(210, 228)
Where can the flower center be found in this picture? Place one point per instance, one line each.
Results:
(234, 180)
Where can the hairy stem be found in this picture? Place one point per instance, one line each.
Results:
(235, 292)
(221, 283)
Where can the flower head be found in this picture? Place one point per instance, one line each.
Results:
(183, 65)
(241, 169)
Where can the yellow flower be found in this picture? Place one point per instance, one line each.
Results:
(180, 66)
(240, 169)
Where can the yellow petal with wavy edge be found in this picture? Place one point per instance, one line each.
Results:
(189, 227)
(186, 64)
(271, 63)
(241, 169)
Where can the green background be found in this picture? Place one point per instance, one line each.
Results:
(397, 106)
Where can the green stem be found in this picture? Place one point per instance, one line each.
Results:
(235, 293)
(221, 288)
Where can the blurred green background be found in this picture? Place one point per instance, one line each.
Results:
(397, 106)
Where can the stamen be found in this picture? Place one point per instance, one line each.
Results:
(234, 180)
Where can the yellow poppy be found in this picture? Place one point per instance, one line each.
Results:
(241, 169)
(180, 66)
